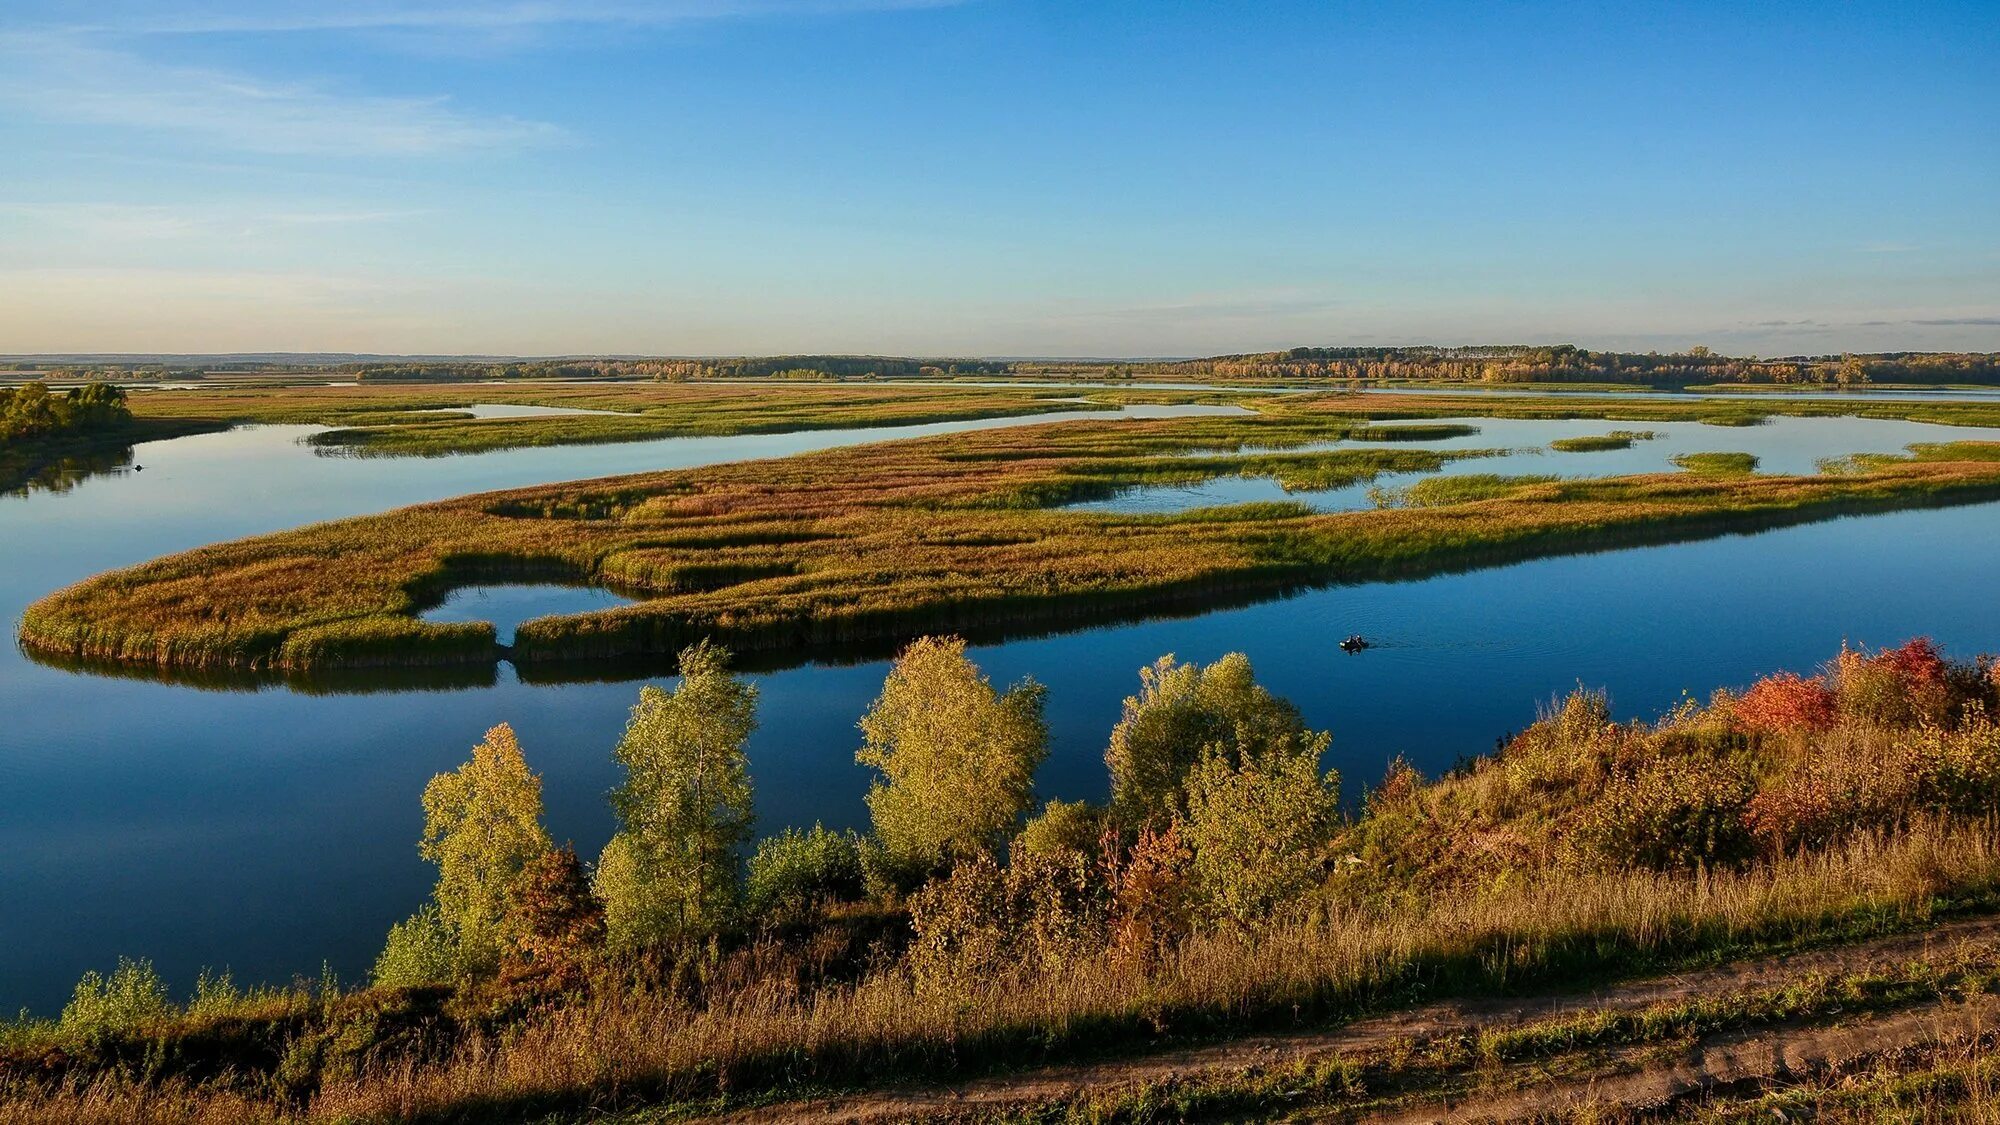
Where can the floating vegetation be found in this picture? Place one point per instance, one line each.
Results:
(1717, 464)
(1438, 492)
(1602, 443)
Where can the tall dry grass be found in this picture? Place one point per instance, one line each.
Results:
(626, 1047)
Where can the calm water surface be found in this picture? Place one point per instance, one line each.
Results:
(267, 831)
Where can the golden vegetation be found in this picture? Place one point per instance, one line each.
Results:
(886, 542)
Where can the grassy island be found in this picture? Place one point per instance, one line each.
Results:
(879, 543)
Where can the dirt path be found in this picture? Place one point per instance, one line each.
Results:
(1720, 1059)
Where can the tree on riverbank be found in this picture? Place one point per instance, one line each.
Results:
(672, 871)
(957, 758)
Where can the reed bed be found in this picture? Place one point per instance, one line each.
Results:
(403, 419)
(1602, 443)
(889, 541)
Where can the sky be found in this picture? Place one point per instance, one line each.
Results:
(995, 177)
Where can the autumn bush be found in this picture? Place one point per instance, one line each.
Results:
(1787, 703)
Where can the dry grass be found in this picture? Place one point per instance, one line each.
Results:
(623, 1048)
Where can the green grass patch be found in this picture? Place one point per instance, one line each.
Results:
(1600, 443)
(1717, 464)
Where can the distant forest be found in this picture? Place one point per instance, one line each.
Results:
(1490, 364)
(1565, 363)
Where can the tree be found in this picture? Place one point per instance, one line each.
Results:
(957, 758)
(670, 874)
(558, 923)
(1259, 824)
(482, 826)
(1181, 711)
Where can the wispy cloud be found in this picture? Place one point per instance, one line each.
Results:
(63, 77)
(281, 16)
(130, 222)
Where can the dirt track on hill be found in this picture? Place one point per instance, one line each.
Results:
(1729, 1059)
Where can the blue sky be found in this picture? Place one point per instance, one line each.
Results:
(995, 177)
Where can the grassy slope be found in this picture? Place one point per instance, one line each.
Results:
(886, 541)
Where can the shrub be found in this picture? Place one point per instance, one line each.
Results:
(557, 923)
(983, 921)
(794, 874)
(1671, 813)
(1957, 771)
(1259, 827)
(1786, 704)
(1151, 894)
(420, 951)
(1899, 686)
(129, 997)
(1180, 712)
(961, 925)
(1063, 828)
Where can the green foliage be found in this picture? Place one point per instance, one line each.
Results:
(1063, 828)
(671, 873)
(794, 874)
(482, 825)
(1181, 711)
(420, 950)
(957, 758)
(1717, 464)
(1439, 492)
(131, 996)
(1259, 824)
(31, 411)
(1602, 443)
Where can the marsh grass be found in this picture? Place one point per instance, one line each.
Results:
(1717, 464)
(1601, 443)
(889, 541)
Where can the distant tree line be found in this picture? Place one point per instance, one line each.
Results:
(744, 367)
(1566, 363)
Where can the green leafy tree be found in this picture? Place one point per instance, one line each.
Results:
(1180, 713)
(482, 826)
(957, 758)
(671, 873)
(1259, 825)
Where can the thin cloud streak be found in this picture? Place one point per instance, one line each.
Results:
(60, 78)
(279, 18)
(149, 222)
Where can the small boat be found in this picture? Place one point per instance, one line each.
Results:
(1355, 643)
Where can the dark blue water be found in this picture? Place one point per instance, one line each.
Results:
(267, 831)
